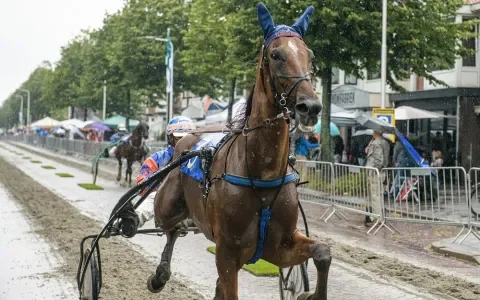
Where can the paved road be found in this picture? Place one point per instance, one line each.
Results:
(27, 262)
(191, 262)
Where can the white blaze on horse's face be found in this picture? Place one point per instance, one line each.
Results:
(293, 47)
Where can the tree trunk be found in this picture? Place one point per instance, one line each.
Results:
(85, 112)
(127, 118)
(325, 139)
(232, 99)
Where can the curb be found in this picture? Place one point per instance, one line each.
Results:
(455, 250)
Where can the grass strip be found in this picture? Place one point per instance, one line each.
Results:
(260, 268)
(64, 175)
(49, 167)
(90, 186)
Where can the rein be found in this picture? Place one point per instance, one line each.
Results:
(245, 130)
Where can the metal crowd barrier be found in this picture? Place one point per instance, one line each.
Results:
(80, 147)
(473, 204)
(342, 187)
(319, 176)
(427, 195)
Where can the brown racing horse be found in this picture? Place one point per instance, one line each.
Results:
(230, 215)
(133, 150)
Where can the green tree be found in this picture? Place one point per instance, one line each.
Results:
(221, 45)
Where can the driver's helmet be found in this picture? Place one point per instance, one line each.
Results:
(122, 128)
(180, 126)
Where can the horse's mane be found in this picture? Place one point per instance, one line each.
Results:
(241, 116)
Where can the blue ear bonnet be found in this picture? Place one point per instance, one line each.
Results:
(272, 32)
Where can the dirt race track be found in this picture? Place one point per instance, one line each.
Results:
(66, 225)
(62, 224)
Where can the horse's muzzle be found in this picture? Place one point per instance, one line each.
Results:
(307, 114)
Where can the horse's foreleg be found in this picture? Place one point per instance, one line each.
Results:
(227, 268)
(119, 176)
(126, 172)
(300, 250)
(129, 173)
(218, 290)
(169, 206)
(157, 281)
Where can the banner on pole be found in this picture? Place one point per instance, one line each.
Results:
(169, 65)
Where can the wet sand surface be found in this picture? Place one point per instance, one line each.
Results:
(62, 226)
(30, 267)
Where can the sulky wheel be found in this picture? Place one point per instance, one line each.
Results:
(91, 284)
(293, 282)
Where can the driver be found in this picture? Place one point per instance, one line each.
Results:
(177, 128)
(121, 132)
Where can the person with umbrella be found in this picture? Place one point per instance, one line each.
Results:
(377, 157)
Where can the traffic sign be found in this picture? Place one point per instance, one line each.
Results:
(387, 115)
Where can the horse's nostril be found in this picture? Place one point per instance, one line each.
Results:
(302, 108)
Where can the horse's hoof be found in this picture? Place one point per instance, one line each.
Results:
(151, 286)
(305, 296)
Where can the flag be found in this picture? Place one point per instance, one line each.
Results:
(169, 65)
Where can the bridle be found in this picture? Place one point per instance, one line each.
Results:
(281, 98)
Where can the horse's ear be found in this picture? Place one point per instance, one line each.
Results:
(301, 25)
(266, 21)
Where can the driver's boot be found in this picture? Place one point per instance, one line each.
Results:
(129, 222)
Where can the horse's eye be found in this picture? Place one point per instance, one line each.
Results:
(275, 56)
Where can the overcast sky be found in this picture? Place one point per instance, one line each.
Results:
(32, 31)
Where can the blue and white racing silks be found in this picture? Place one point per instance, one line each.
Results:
(193, 167)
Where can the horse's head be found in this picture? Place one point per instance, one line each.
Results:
(143, 129)
(287, 66)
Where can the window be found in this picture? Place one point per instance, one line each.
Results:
(335, 76)
(371, 75)
(350, 79)
(470, 61)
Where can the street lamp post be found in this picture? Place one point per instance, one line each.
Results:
(169, 89)
(384, 53)
(104, 99)
(21, 110)
(28, 105)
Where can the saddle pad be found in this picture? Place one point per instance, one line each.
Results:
(193, 167)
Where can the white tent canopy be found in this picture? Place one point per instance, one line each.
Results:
(46, 122)
(412, 113)
(71, 122)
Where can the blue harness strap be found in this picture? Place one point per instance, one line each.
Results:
(266, 212)
(243, 181)
(265, 219)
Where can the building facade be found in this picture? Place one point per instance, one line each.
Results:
(459, 102)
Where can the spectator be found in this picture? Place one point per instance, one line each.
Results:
(338, 148)
(375, 159)
(302, 147)
(437, 160)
